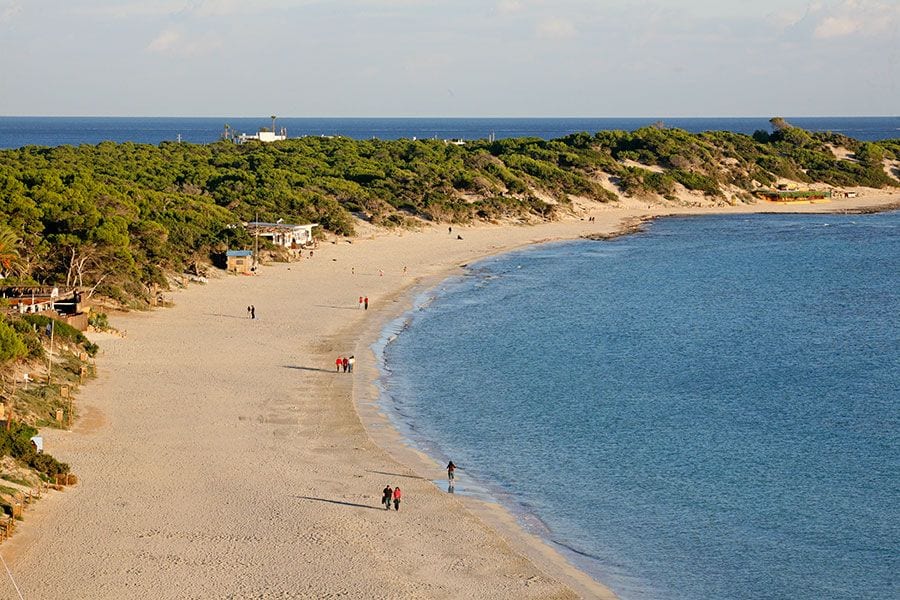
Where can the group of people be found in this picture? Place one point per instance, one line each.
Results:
(251, 312)
(344, 363)
(363, 302)
(388, 495)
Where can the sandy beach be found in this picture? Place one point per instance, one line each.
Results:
(223, 457)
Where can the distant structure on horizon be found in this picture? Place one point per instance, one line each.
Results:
(263, 135)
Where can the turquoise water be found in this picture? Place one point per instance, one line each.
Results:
(706, 410)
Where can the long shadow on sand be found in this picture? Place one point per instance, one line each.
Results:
(339, 307)
(354, 504)
(395, 474)
(309, 369)
(228, 316)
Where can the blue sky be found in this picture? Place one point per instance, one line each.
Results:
(450, 57)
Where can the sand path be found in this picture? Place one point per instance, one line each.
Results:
(221, 457)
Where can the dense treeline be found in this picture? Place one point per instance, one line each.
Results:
(117, 217)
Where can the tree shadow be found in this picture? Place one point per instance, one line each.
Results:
(395, 474)
(309, 369)
(338, 307)
(354, 504)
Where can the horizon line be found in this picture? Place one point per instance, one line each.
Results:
(267, 117)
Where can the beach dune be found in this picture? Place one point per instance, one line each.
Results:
(222, 457)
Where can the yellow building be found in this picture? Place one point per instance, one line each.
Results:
(239, 261)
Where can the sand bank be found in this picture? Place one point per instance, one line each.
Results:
(223, 457)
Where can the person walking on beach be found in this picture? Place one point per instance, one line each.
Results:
(350, 362)
(252, 312)
(338, 363)
(360, 302)
(451, 472)
(366, 303)
(397, 496)
(345, 363)
(248, 312)
(386, 496)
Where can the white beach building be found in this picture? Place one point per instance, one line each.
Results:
(264, 136)
(286, 235)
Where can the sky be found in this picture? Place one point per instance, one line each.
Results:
(453, 58)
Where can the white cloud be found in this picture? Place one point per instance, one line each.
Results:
(831, 27)
(174, 41)
(9, 9)
(509, 7)
(165, 41)
(556, 28)
(854, 17)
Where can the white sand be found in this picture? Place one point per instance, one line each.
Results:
(221, 457)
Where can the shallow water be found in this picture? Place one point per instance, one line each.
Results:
(706, 410)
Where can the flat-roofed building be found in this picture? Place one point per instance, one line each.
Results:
(239, 261)
(286, 235)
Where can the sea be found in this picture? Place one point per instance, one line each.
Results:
(709, 409)
(16, 132)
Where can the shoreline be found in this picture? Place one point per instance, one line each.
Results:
(322, 409)
(382, 429)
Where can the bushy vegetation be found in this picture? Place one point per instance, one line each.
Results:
(11, 345)
(16, 442)
(62, 332)
(117, 217)
(99, 321)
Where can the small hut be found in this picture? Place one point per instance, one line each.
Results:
(239, 261)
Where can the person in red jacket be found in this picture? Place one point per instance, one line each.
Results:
(338, 363)
(397, 496)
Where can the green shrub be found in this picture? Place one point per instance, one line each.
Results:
(696, 181)
(11, 345)
(99, 321)
(29, 337)
(16, 442)
(63, 332)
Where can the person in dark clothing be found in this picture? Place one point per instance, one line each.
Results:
(252, 312)
(386, 496)
(366, 303)
(451, 471)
